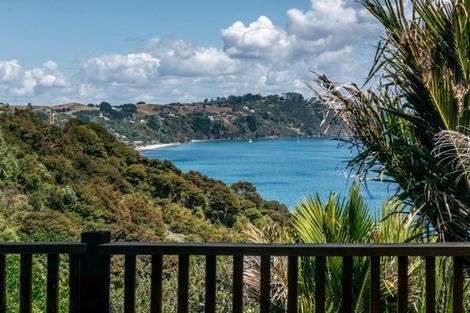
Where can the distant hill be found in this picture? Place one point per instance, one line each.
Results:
(235, 117)
(58, 181)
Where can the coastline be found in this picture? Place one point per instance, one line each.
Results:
(156, 146)
(165, 145)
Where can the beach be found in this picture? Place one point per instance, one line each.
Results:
(156, 146)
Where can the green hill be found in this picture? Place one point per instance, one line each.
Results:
(235, 117)
(56, 182)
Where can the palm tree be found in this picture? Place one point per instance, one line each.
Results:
(349, 220)
(269, 234)
(413, 126)
(336, 221)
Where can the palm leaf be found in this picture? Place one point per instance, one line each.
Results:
(422, 92)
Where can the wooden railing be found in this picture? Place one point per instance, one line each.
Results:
(90, 272)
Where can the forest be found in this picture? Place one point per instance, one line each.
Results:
(56, 182)
(234, 117)
(412, 128)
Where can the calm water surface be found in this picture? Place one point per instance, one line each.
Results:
(285, 170)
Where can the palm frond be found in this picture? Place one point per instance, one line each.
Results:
(337, 220)
(453, 148)
(422, 93)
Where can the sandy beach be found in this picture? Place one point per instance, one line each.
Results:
(156, 146)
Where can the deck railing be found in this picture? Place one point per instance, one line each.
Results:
(90, 272)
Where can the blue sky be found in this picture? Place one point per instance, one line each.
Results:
(161, 51)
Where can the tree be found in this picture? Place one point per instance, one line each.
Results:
(106, 107)
(8, 164)
(201, 124)
(401, 127)
(335, 221)
(348, 220)
(218, 129)
(243, 187)
(129, 108)
(154, 122)
(293, 97)
(252, 123)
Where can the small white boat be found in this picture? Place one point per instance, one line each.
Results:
(250, 141)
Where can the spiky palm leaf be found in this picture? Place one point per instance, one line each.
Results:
(336, 221)
(423, 89)
(345, 221)
(252, 265)
(453, 148)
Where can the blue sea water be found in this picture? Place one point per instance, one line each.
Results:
(286, 170)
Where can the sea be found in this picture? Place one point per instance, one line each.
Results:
(286, 170)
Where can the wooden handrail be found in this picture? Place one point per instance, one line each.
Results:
(89, 274)
(427, 249)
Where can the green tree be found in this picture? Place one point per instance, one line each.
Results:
(106, 107)
(404, 126)
(201, 124)
(252, 123)
(335, 221)
(349, 220)
(8, 164)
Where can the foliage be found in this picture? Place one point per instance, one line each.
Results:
(336, 221)
(58, 182)
(252, 265)
(8, 164)
(235, 117)
(350, 221)
(61, 181)
(402, 126)
(169, 296)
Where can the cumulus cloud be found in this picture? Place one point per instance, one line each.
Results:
(180, 58)
(334, 37)
(331, 19)
(263, 40)
(260, 39)
(18, 82)
(327, 25)
(132, 68)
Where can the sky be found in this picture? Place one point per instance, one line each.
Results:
(177, 50)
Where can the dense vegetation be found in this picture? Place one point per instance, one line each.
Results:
(235, 117)
(56, 182)
(349, 220)
(414, 126)
(414, 129)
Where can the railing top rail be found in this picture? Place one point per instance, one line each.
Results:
(428, 249)
(43, 247)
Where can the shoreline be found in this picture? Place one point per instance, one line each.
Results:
(156, 146)
(165, 145)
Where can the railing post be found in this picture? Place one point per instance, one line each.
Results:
(94, 274)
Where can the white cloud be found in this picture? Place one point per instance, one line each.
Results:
(332, 19)
(260, 39)
(180, 58)
(18, 82)
(10, 71)
(334, 37)
(132, 68)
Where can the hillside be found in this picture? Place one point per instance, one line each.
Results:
(235, 117)
(58, 181)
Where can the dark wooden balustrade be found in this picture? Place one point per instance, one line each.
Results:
(89, 272)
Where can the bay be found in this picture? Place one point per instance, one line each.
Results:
(286, 170)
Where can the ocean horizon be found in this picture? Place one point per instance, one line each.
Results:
(286, 170)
